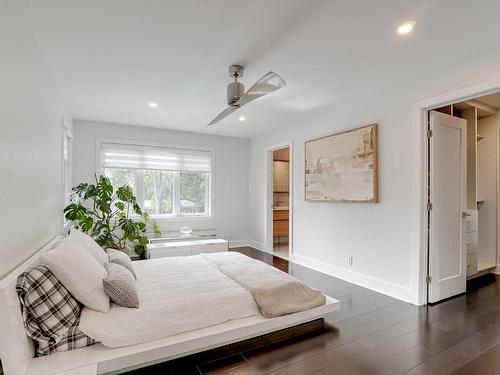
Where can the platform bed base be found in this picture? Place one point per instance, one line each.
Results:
(245, 345)
(227, 338)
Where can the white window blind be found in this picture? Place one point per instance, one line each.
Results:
(154, 158)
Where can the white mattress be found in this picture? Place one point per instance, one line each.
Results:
(177, 294)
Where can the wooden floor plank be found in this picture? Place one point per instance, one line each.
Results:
(401, 363)
(460, 355)
(371, 334)
(486, 364)
(224, 364)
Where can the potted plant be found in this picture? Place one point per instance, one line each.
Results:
(111, 217)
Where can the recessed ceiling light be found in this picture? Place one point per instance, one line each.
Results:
(153, 104)
(406, 27)
(242, 118)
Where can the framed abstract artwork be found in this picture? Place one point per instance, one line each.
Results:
(343, 167)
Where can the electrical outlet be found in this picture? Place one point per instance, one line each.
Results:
(349, 260)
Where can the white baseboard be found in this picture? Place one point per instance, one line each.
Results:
(497, 270)
(256, 245)
(369, 282)
(238, 243)
(251, 243)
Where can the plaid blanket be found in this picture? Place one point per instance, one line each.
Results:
(50, 313)
(73, 339)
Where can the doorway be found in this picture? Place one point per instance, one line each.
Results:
(462, 194)
(279, 201)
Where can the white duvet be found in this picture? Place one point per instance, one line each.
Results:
(177, 294)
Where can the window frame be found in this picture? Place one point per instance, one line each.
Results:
(209, 193)
(66, 169)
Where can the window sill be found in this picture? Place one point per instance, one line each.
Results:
(180, 218)
(173, 218)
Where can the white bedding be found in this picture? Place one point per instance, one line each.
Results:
(176, 294)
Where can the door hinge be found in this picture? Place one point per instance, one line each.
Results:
(429, 206)
(429, 133)
(428, 279)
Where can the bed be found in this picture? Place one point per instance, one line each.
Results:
(232, 317)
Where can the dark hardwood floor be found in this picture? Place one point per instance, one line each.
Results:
(371, 334)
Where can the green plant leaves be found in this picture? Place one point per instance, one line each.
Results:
(140, 250)
(105, 239)
(103, 204)
(75, 212)
(84, 191)
(143, 240)
(125, 194)
(156, 229)
(86, 223)
(103, 212)
(104, 188)
(137, 209)
(79, 215)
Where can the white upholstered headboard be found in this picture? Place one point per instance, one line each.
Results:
(16, 348)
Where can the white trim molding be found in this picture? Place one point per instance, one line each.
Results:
(66, 168)
(378, 285)
(419, 180)
(269, 198)
(250, 243)
(257, 245)
(497, 269)
(210, 193)
(238, 243)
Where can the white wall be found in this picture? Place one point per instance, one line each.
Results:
(487, 189)
(31, 113)
(378, 236)
(231, 183)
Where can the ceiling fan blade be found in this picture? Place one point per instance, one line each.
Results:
(223, 114)
(266, 85)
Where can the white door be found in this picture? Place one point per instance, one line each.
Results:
(447, 237)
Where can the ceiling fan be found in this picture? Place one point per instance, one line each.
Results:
(236, 95)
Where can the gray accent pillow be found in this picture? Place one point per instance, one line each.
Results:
(120, 286)
(118, 257)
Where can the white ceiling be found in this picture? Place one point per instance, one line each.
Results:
(112, 57)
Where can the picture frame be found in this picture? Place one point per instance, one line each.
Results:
(343, 167)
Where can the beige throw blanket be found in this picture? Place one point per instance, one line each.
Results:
(275, 292)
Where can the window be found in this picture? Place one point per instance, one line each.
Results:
(167, 181)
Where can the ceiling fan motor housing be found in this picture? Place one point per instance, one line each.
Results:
(235, 91)
(236, 95)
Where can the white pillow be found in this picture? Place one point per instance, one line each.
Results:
(79, 272)
(90, 245)
(118, 257)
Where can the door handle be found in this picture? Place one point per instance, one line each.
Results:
(466, 214)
